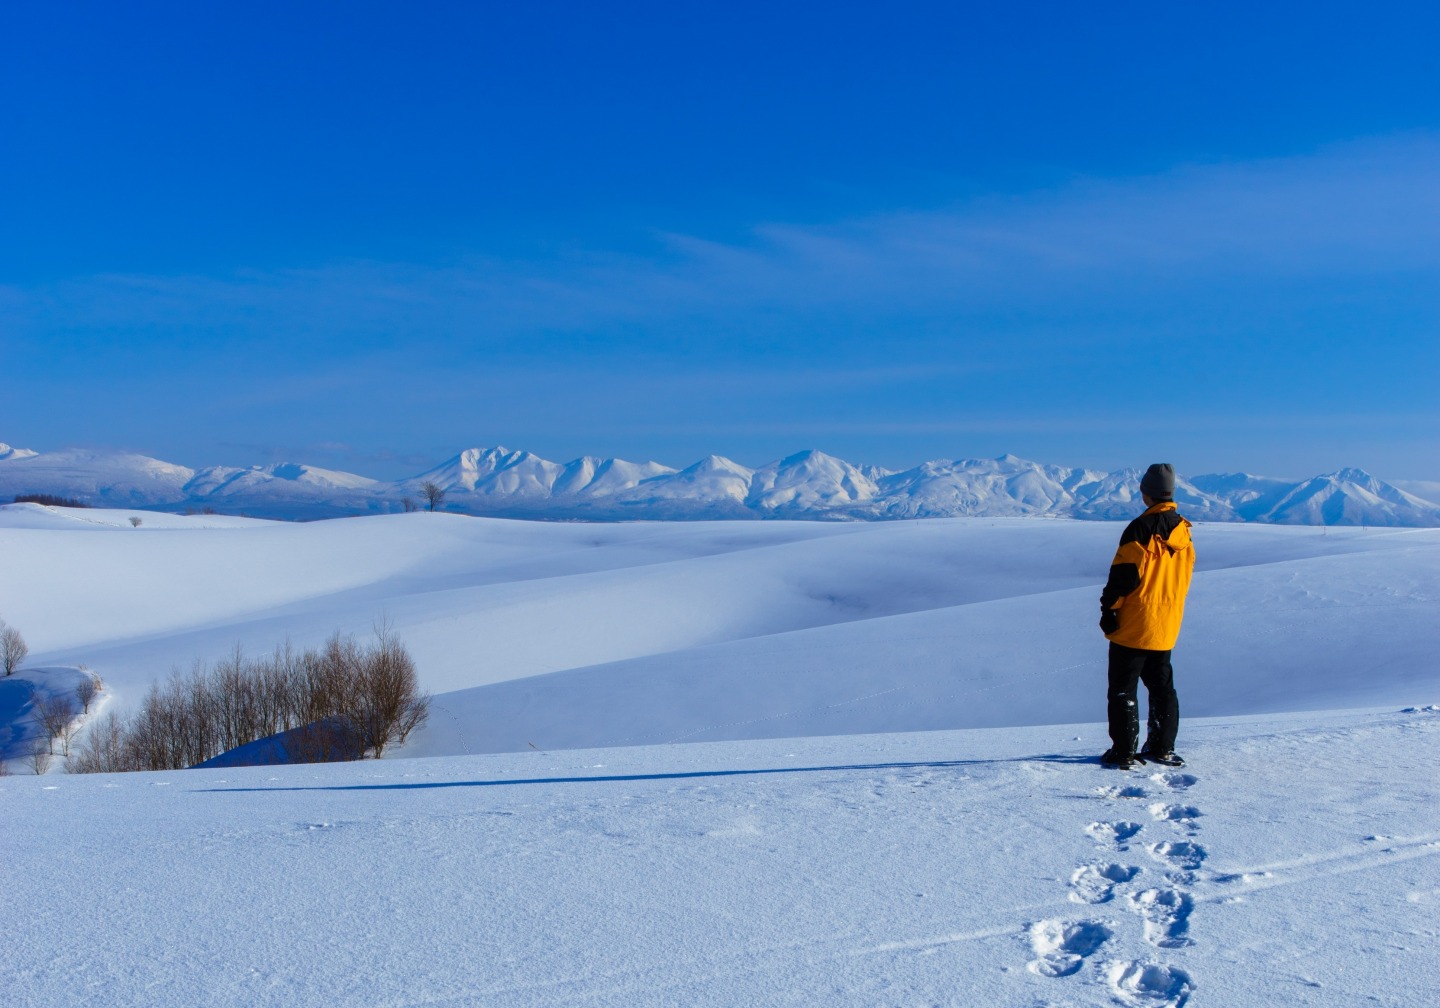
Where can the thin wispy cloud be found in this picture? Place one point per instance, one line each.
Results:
(988, 325)
(1352, 210)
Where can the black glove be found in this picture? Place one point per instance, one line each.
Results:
(1109, 621)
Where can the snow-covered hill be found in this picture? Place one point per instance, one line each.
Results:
(810, 485)
(573, 634)
(793, 856)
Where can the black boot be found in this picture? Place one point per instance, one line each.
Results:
(1119, 760)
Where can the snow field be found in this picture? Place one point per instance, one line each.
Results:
(560, 635)
(1293, 862)
(791, 857)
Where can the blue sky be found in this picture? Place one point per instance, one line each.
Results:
(367, 235)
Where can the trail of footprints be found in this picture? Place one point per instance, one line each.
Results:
(1062, 947)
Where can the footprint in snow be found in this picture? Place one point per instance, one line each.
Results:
(1175, 781)
(1182, 814)
(1178, 853)
(1061, 947)
(1095, 883)
(1116, 834)
(1130, 791)
(1149, 985)
(1166, 913)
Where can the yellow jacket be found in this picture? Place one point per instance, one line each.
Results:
(1149, 578)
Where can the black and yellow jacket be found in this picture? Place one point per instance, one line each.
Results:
(1149, 578)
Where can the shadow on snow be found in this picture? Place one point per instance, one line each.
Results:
(687, 775)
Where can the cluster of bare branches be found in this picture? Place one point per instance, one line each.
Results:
(341, 701)
(433, 493)
(58, 716)
(12, 648)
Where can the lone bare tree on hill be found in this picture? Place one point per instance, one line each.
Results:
(86, 690)
(12, 648)
(434, 494)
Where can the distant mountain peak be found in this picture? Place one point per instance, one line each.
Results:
(807, 484)
(7, 452)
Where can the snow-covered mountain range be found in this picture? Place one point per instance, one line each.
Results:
(807, 485)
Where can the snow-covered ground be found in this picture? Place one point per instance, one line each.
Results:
(973, 854)
(1294, 862)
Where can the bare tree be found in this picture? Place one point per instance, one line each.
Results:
(54, 713)
(12, 648)
(86, 690)
(4, 768)
(392, 705)
(434, 494)
(105, 749)
(68, 733)
(38, 756)
(408, 504)
(135, 521)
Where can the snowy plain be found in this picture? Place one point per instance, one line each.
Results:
(740, 764)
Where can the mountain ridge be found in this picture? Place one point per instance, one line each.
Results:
(809, 485)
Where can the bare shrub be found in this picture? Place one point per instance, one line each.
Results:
(54, 713)
(86, 690)
(391, 703)
(337, 702)
(67, 735)
(38, 756)
(12, 648)
(4, 768)
(105, 749)
(136, 521)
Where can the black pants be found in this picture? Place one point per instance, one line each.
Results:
(1129, 667)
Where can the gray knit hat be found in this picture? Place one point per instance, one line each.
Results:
(1158, 482)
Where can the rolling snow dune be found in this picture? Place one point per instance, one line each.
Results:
(1292, 861)
(563, 635)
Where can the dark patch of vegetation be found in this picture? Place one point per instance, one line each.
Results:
(50, 500)
(342, 701)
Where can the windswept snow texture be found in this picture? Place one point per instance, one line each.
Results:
(809, 485)
(924, 869)
(565, 635)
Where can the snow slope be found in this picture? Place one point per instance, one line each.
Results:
(792, 856)
(1296, 861)
(563, 635)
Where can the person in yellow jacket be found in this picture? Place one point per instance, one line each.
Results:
(1140, 613)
